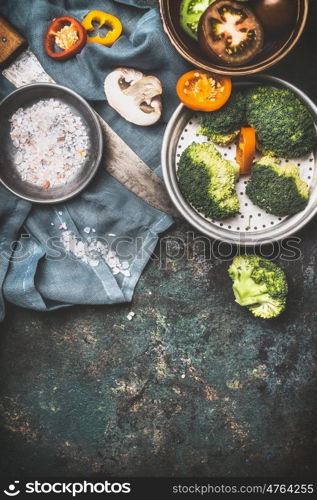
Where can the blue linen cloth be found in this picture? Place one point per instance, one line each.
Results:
(36, 272)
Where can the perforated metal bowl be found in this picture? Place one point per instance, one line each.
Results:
(252, 226)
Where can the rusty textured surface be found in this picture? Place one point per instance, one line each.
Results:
(193, 385)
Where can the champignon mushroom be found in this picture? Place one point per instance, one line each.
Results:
(134, 96)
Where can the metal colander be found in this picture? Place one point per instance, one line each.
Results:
(252, 225)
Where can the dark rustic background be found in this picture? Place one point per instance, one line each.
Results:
(194, 385)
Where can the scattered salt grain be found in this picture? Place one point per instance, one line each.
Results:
(63, 227)
(60, 213)
(94, 263)
(111, 234)
(92, 252)
(112, 262)
(125, 272)
(52, 224)
(131, 316)
(87, 230)
(49, 140)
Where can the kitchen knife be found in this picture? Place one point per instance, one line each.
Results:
(21, 67)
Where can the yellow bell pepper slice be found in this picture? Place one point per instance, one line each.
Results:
(103, 19)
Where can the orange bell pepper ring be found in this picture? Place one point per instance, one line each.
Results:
(103, 19)
(246, 149)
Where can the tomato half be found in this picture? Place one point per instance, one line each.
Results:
(246, 149)
(203, 91)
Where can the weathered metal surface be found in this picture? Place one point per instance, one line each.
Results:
(120, 161)
(193, 385)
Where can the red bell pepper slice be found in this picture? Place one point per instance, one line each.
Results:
(50, 38)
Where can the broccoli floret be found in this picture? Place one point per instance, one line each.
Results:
(225, 120)
(207, 181)
(283, 124)
(259, 284)
(224, 140)
(276, 188)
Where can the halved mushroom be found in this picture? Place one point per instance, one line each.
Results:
(134, 96)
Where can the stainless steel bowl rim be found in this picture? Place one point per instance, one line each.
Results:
(293, 224)
(99, 134)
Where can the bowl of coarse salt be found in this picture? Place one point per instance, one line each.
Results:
(51, 143)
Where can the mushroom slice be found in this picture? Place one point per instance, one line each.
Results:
(134, 96)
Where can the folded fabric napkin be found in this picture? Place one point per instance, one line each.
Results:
(92, 249)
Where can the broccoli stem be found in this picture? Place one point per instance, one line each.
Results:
(246, 291)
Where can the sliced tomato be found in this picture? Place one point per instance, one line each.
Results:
(246, 149)
(230, 33)
(203, 91)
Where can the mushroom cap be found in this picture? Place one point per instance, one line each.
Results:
(136, 97)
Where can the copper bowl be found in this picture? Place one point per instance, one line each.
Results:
(273, 51)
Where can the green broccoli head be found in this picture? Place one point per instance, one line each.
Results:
(225, 120)
(259, 284)
(224, 140)
(276, 188)
(270, 309)
(283, 124)
(207, 181)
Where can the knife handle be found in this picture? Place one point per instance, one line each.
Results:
(11, 42)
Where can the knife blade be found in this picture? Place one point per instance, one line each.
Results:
(122, 162)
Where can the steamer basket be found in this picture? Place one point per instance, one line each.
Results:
(252, 226)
